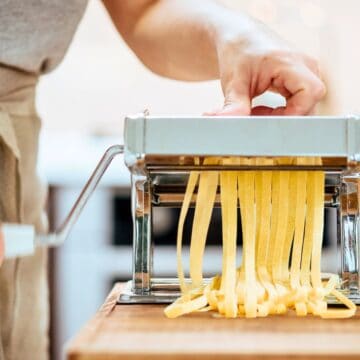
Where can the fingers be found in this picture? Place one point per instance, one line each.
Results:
(294, 76)
(297, 83)
(237, 101)
(237, 98)
(236, 108)
(263, 111)
(305, 88)
(236, 87)
(269, 111)
(2, 246)
(312, 64)
(301, 88)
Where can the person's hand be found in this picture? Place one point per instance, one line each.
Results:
(203, 40)
(2, 246)
(261, 61)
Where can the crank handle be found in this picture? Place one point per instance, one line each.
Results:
(21, 240)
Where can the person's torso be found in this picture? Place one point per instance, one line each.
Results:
(35, 34)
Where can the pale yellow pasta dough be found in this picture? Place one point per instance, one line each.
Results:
(282, 227)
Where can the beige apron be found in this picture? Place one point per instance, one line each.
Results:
(23, 282)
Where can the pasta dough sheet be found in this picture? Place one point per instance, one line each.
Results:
(282, 228)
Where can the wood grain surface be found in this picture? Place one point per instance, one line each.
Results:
(143, 332)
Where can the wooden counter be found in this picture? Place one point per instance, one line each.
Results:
(143, 332)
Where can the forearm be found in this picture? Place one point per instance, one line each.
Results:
(179, 39)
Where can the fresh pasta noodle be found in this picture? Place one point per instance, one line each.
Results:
(208, 182)
(228, 185)
(193, 179)
(282, 225)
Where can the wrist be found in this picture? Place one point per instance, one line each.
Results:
(245, 35)
(235, 29)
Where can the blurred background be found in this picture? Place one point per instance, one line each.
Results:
(83, 104)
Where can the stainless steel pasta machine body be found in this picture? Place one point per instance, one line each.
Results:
(160, 152)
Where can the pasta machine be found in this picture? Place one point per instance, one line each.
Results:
(160, 152)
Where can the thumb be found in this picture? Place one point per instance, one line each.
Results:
(237, 101)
